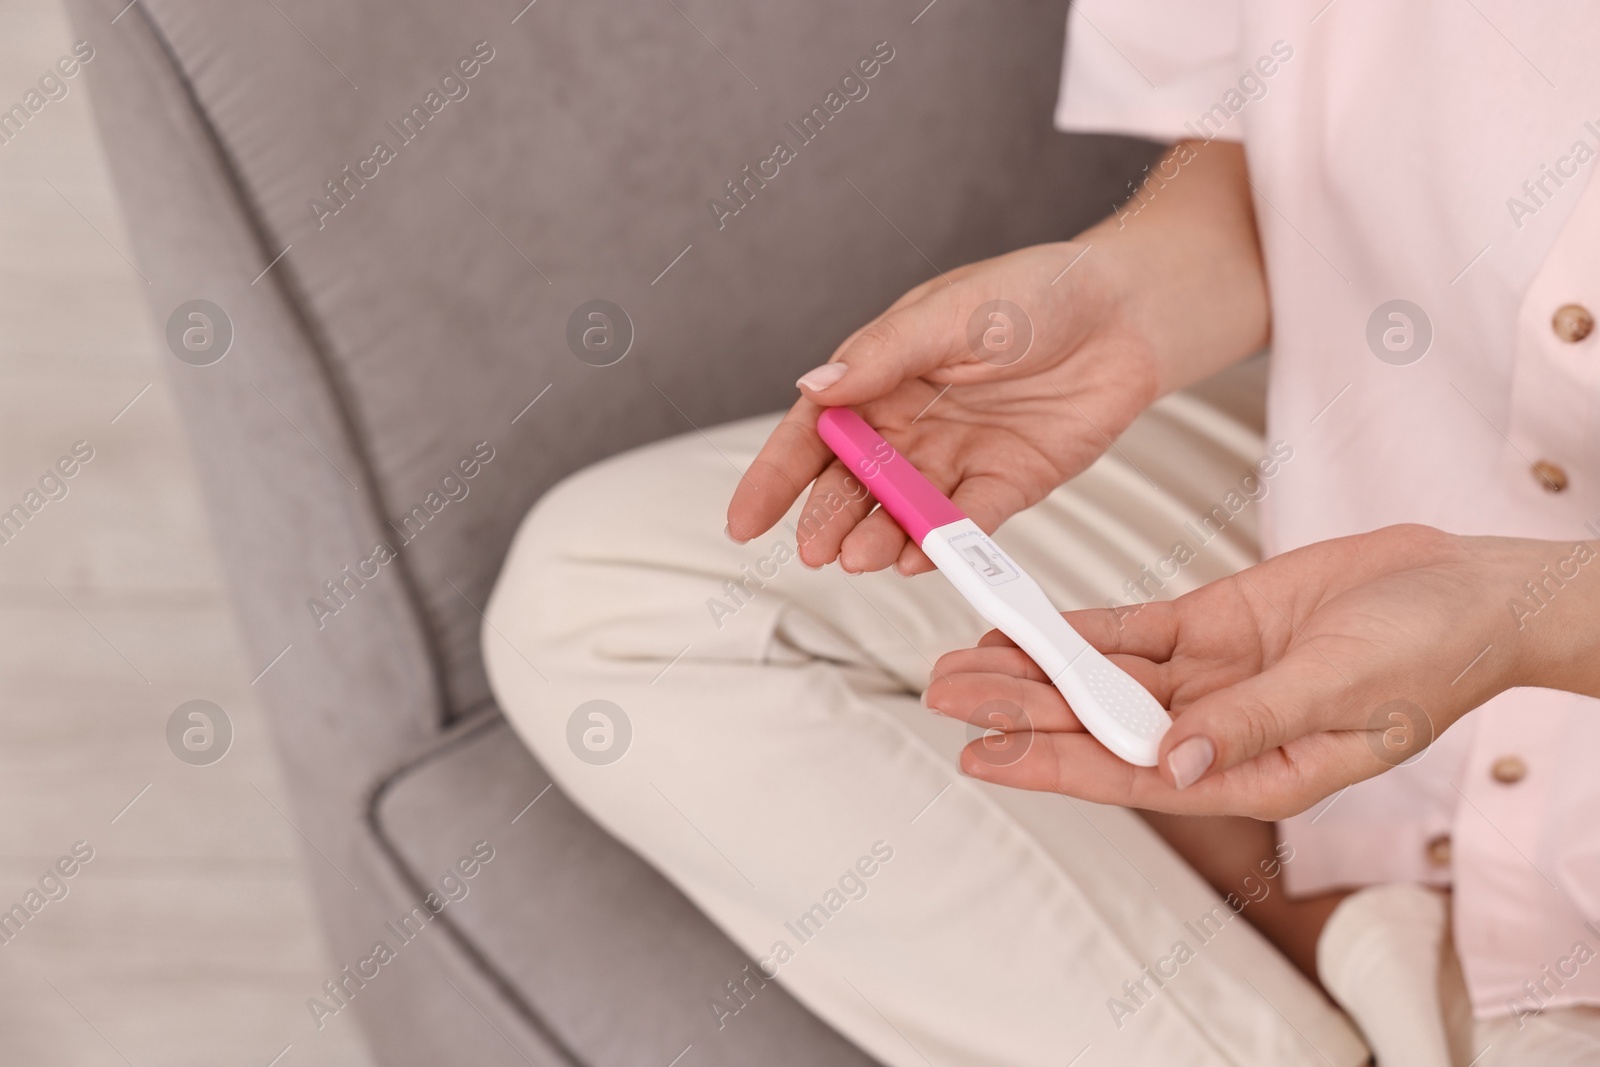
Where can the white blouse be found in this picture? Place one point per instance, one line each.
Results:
(1423, 187)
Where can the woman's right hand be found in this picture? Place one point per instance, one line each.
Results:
(1099, 328)
(997, 425)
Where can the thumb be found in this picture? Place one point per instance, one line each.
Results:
(904, 343)
(1299, 695)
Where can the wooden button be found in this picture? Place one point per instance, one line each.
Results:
(1551, 476)
(1572, 323)
(1509, 770)
(1438, 849)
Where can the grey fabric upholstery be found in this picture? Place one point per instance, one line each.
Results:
(673, 960)
(424, 316)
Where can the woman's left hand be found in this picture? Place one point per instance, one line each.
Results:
(1292, 679)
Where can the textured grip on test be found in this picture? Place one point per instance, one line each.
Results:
(1120, 712)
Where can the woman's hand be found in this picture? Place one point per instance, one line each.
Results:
(1294, 678)
(1002, 379)
(997, 427)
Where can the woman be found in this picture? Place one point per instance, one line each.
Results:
(1397, 198)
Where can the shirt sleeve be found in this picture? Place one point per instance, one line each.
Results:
(1147, 68)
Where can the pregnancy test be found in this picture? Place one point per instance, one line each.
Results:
(1118, 711)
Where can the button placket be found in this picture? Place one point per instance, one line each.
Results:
(1555, 374)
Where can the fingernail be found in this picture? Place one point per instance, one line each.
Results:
(727, 531)
(1190, 760)
(925, 700)
(819, 378)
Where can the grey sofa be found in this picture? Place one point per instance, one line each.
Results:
(393, 312)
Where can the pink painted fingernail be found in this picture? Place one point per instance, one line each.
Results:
(1190, 760)
(819, 378)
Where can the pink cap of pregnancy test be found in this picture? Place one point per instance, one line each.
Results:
(909, 498)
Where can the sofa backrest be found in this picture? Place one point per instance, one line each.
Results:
(449, 185)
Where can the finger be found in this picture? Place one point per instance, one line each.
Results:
(911, 296)
(989, 500)
(1024, 704)
(836, 503)
(948, 684)
(1273, 786)
(913, 560)
(791, 459)
(1001, 657)
(1296, 696)
(1149, 631)
(997, 653)
(994, 638)
(899, 345)
(798, 456)
(1071, 763)
(874, 543)
(989, 659)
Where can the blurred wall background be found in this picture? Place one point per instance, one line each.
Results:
(188, 937)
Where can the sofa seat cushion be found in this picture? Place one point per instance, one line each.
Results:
(590, 943)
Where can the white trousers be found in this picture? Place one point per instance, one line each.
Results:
(777, 766)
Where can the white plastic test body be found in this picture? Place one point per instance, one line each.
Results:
(1118, 711)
